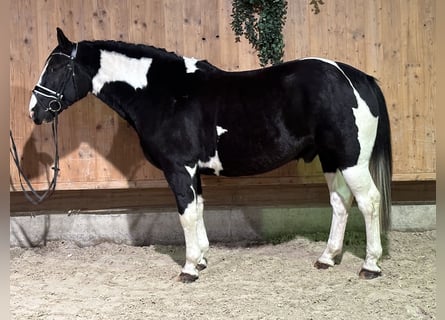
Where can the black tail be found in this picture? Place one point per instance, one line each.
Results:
(380, 164)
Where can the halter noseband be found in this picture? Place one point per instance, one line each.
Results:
(55, 105)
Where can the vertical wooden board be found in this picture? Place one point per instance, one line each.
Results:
(210, 40)
(22, 74)
(174, 22)
(373, 39)
(318, 26)
(229, 48)
(296, 32)
(417, 75)
(429, 31)
(192, 29)
(390, 76)
(139, 22)
(155, 18)
(118, 15)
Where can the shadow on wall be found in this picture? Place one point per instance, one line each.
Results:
(87, 123)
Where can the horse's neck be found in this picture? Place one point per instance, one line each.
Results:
(119, 71)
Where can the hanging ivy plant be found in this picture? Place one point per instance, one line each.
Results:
(316, 4)
(261, 22)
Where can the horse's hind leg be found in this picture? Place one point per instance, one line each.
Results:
(341, 199)
(367, 196)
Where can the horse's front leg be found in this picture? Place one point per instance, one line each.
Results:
(193, 254)
(184, 183)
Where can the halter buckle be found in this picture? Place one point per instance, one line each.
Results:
(58, 106)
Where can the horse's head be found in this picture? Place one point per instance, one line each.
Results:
(61, 83)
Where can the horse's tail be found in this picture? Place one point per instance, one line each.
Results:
(380, 164)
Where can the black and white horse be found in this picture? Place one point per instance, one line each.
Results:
(193, 118)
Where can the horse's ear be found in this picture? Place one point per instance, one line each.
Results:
(64, 43)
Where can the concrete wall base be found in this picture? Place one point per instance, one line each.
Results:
(223, 225)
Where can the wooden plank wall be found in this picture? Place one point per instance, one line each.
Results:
(391, 40)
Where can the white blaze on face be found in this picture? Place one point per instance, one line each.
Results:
(214, 162)
(33, 100)
(190, 64)
(115, 66)
(32, 104)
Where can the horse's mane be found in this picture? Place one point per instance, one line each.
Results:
(135, 49)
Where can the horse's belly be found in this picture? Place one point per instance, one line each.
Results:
(239, 159)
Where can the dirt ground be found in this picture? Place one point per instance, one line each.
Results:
(110, 281)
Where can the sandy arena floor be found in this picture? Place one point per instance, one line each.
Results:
(109, 281)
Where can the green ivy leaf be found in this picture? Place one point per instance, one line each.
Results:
(261, 22)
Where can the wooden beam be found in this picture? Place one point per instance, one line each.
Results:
(221, 196)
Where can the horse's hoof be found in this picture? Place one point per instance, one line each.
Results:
(321, 265)
(368, 275)
(202, 266)
(187, 278)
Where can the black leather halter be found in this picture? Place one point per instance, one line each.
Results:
(55, 104)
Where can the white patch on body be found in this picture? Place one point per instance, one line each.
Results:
(190, 64)
(364, 120)
(115, 66)
(220, 130)
(191, 171)
(214, 162)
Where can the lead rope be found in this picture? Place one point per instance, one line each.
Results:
(32, 195)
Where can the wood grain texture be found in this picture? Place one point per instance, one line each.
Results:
(391, 40)
(149, 199)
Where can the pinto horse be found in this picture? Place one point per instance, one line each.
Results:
(193, 118)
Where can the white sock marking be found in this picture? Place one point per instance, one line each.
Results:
(190, 64)
(340, 199)
(115, 66)
(368, 200)
(189, 222)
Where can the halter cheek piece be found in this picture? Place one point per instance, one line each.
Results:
(55, 105)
